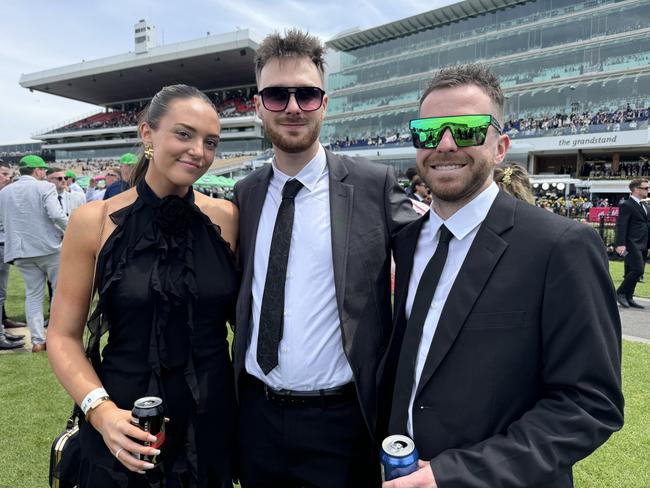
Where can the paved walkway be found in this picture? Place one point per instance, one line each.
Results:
(636, 322)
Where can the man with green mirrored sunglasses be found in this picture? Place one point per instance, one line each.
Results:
(504, 363)
(467, 130)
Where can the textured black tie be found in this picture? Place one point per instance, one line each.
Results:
(272, 313)
(405, 376)
(60, 200)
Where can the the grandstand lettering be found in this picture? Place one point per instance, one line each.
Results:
(587, 141)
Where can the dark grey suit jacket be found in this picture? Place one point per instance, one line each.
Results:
(523, 375)
(367, 207)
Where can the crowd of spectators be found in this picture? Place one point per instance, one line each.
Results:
(574, 206)
(237, 106)
(369, 141)
(104, 120)
(626, 170)
(602, 120)
(577, 122)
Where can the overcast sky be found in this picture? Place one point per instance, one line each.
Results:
(36, 35)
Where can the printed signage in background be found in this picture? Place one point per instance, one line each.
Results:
(610, 214)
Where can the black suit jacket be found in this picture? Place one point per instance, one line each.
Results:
(367, 207)
(632, 225)
(522, 378)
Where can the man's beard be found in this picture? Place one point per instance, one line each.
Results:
(459, 191)
(291, 145)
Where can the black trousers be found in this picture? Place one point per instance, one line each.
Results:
(297, 446)
(634, 265)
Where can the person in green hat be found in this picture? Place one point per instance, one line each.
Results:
(127, 163)
(33, 166)
(34, 223)
(71, 180)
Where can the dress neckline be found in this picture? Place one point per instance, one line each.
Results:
(150, 198)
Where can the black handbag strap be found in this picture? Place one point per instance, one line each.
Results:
(91, 353)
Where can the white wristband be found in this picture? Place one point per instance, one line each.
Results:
(91, 398)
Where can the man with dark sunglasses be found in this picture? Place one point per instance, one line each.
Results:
(314, 313)
(122, 181)
(68, 200)
(504, 366)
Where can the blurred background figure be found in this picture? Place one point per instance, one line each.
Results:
(411, 173)
(127, 163)
(71, 180)
(67, 199)
(34, 222)
(97, 184)
(7, 340)
(420, 191)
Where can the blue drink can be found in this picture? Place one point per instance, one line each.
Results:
(398, 457)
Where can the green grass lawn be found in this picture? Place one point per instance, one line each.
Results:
(35, 407)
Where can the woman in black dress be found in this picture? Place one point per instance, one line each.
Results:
(167, 282)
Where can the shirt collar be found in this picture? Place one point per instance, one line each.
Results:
(637, 200)
(468, 217)
(308, 175)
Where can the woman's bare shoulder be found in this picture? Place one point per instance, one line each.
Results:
(221, 212)
(86, 221)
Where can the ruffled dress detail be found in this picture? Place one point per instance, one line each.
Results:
(167, 283)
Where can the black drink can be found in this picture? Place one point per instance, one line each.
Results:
(148, 415)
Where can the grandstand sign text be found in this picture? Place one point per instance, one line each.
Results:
(587, 141)
(574, 142)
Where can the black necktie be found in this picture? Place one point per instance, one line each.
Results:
(405, 376)
(60, 200)
(272, 312)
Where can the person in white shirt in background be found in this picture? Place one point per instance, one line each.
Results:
(71, 180)
(67, 199)
(93, 192)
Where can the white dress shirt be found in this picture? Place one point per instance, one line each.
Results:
(310, 354)
(464, 226)
(71, 201)
(93, 194)
(76, 188)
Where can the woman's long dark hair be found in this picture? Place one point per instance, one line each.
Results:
(156, 109)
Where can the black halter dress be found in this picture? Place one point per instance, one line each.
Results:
(167, 283)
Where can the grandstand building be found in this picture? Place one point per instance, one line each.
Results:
(219, 65)
(576, 75)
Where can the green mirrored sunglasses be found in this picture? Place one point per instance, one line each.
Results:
(467, 130)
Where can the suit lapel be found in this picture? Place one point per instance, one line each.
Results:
(483, 256)
(640, 209)
(341, 201)
(404, 250)
(405, 244)
(254, 202)
(251, 205)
